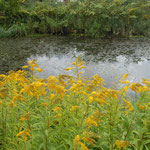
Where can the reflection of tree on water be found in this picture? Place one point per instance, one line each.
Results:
(14, 52)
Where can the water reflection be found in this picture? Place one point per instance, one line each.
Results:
(110, 58)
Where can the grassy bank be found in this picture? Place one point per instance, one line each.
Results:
(70, 112)
(94, 18)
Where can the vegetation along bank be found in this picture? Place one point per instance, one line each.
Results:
(94, 18)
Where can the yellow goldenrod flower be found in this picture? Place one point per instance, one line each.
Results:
(2, 77)
(0, 102)
(146, 107)
(83, 147)
(60, 90)
(121, 144)
(82, 67)
(101, 101)
(91, 99)
(128, 105)
(125, 76)
(76, 142)
(56, 109)
(52, 82)
(25, 117)
(91, 122)
(126, 89)
(11, 104)
(94, 93)
(24, 134)
(25, 67)
(143, 89)
(84, 93)
(146, 82)
(67, 69)
(58, 115)
(39, 69)
(52, 96)
(136, 87)
(18, 97)
(45, 105)
(124, 82)
(97, 79)
(89, 136)
(74, 63)
(143, 107)
(73, 108)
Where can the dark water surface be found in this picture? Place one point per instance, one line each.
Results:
(110, 58)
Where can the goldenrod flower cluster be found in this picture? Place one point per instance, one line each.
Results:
(71, 112)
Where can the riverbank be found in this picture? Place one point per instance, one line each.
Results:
(86, 18)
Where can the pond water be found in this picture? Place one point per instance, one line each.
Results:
(110, 58)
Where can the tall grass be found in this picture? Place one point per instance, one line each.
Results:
(14, 31)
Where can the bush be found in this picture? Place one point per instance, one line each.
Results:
(92, 18)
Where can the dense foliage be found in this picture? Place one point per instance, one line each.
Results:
(84, 17)
(66, 112)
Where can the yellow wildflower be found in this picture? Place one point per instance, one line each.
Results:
(97, 79)
(24, 134)
(84, 93)
(45, 105)
(126, 88)
(73, 108)
(125, 76)
(89, 136)
(39, 69)
(88, 139)
(143, 89)
(0, 102)
(136, 87)
(60, 90)
(52, 82)
(121, 144)
(143, 107)
(11, 104)
(83, 147)
(90, 99)
(67, 69)
(101, 101)
(25, 117)
(74, 63)
(94, 93)
(91, 122)
(79, 62)
(25, 67)
(124, 82)
(128, 105)
(76, 142)
(82, 67)
(56, 109)
(80, 72)
(18, 97)
(52, 96)
(58, 115)
(146, 82)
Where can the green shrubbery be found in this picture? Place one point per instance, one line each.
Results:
(92, 18)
